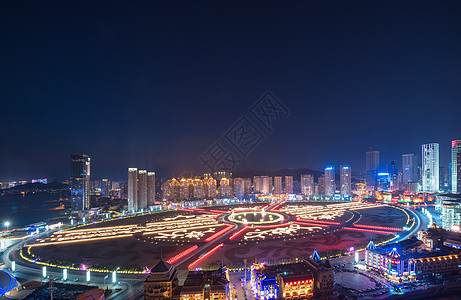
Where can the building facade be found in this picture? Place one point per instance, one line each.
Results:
(371, 167)
(455, 163)
(277, 185)
(329, 181)
(162, 282)
(345, 181)
(80, 183)
(289, 184)
(430, 168)
(307, 185)
(411, 259)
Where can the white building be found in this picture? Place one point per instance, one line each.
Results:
(132, 189)
(455, 149)
(330, 184)
(345, 180)
(430, 167)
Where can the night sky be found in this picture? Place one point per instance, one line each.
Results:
(154, 85)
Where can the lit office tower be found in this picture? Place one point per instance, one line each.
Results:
(266, 185)
(345, 180)
(329, 177)
(372, 165)
(455, 149)
(239, 188)
(458, 166)
(430, 167)
(307, 185)
(80, 183)
(225, 188)
(409, 168)
(132, 190)
(142, 189)
(289, 184)
(246, 187)
(277, 185)
(150, 188)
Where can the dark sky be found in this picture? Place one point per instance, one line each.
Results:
(153, 85)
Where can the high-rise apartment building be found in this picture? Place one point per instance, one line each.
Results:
(409, 168)
(278, 185)
(329, 177)
(345, 180)
(209, 185)
(458, 174)
(372, 166)
(239, 188)
(307, 185)
(132, 189)
(225, 188)
(198, 189)
(150, 188)
(455, 176)
(142, 189)
(80, 183)
(266, 185)
(430, 167)
(258, 184)
(321, 187)
(289, 184)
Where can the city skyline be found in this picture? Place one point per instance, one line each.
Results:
(142, 104)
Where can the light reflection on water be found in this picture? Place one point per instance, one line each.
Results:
(22, 210)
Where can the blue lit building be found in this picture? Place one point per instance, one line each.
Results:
(80, 183)
(301, 280)
(411, 259)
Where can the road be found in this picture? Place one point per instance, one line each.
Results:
(131, 285)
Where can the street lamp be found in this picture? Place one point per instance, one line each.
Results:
(7, 224)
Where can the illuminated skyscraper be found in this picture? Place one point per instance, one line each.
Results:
(239, 188)
(209, 185)
(183, 189)
(321, 187)
(329, 177)
(80, 183)
(372, 165)
(307, 185)
(430, 167)
(258, 184)
(266, 185)
(409, 168)
(455, 176)
(289, 184)
(150, 188)
(277, 185)
(142, 189)
(225, 188)
(198, 189)
(345, 180)
(132, 189)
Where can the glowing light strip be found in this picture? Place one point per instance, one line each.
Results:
(185, 209)
(369, 230)
(318, 221)
(216, 211)
(273, 226)
(221, 232)
(204, 256)
(311, 224)
(238, 233)
(182, 254)
(81, 240)
(378, 227)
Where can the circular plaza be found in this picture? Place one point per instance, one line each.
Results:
(209, 236)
